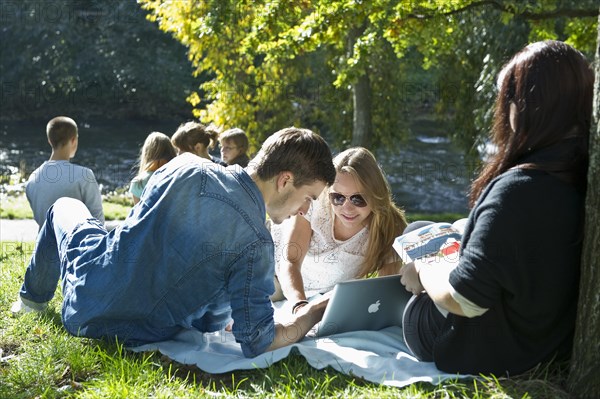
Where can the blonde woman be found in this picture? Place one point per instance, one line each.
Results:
(156, 151)
(347, 233)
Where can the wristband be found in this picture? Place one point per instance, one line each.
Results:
(298, 305)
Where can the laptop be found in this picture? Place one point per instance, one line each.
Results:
(364, 304)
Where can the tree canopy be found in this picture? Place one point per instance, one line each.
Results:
(317, 63)
(90, 58)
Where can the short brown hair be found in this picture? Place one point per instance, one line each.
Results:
(191, 133)
(60, 130)
(238, 136)
(300, 151)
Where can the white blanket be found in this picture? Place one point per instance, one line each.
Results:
(376, 356)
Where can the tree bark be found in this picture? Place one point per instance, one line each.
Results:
(584, 376)
(361, 97)
(361, 122)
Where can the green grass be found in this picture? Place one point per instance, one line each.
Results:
(39, 359)
(435, 217)
(113, 211)
(17, 207)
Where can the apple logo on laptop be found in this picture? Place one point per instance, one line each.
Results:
(374, 307)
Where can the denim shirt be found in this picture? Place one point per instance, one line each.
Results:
(194, 253)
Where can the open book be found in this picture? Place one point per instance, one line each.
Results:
(434, 241)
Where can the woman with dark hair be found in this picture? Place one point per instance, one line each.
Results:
(510, 301)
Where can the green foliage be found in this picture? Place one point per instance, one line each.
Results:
(275, 64)
(470, 48)
(470, 41)
(265, 59)
(89, 58)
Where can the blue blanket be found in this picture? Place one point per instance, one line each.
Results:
(376, 356)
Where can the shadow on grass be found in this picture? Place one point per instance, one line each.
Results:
(293, 371)
(547, 380)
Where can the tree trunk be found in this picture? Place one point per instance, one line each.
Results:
(361, 122)
(361, 97)
(584, 376)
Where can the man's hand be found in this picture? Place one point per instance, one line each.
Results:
(306, 317)
(316, 305)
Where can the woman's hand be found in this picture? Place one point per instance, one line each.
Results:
(410, 278)
(436, 277)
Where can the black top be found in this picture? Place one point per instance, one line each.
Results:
(241, 160)
(218, 160)
(520, 258)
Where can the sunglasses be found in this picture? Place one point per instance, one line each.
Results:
(338, 199)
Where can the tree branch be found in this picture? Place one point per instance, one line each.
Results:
(563, 12)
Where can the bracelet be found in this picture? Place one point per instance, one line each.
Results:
(298, 305)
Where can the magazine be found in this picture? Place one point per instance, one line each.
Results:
(435, 241)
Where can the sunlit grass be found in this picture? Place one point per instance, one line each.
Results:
(117, 207)
(39, 359)
(16, 207)
(114, 211)
(449, 217)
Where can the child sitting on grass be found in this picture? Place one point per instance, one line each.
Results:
(196, 138)
(58, 177)
(234, 147)
(156, 151)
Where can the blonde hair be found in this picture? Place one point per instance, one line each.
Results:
(191, 133)
(387, 221)
(157, 147)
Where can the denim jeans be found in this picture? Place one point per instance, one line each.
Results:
(65, 218)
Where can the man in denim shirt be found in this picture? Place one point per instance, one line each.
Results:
(194, 253)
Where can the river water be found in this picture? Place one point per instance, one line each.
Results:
(427, 172)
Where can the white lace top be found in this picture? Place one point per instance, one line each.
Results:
(328, 260)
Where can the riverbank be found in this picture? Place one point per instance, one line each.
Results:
(426, 171)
